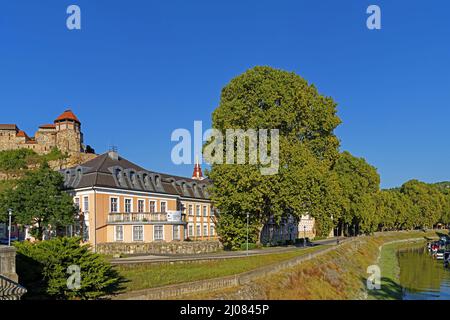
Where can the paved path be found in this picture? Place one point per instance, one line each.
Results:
(213, 256)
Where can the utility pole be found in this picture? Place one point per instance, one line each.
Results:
(9, 228)
(304, 235)
(247, 232)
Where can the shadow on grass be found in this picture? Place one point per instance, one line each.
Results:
(390, 290)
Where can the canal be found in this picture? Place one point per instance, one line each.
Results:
(422, 277)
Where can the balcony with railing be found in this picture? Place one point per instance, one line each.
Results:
(145, 217)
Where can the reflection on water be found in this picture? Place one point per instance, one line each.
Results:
(422, 277)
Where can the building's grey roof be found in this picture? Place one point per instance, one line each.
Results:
(119, 173)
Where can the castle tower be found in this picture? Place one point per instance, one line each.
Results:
(68, 132)
(197, 175)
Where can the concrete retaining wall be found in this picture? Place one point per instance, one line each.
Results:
(176, 247)
(219, 283)
(8, 262)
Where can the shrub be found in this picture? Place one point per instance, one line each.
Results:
(43, 269)
(14, 160)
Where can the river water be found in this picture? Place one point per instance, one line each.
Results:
(422, 277)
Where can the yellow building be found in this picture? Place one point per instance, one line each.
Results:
(119, 201)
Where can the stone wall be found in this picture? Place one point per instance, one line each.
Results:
(8, 262)
(175, 247)
(10, 289)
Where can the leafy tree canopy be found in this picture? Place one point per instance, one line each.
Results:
(39, 200)
(267, 98)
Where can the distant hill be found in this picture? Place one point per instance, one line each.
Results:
(15, 163)
(443, 186)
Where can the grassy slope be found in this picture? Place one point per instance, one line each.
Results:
(340, 274)
(390, 282)
(156, 275)
(388, 263)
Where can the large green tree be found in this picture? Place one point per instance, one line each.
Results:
(359, 183)
(428, 203)
(39, 200)
(267, 98)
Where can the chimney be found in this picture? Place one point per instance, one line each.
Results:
(113, 154)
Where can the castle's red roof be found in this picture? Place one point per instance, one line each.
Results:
(22, 134)
(48, 126)
(67, 115)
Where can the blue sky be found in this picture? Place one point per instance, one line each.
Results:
(137, 70)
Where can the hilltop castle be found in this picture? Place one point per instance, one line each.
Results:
(64, 134)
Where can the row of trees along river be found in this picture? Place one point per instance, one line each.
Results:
(341, 191)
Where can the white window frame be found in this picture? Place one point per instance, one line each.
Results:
(132, 232)
(143, 208)
(76, 202)
(198, 212)
(205, 211)
(84, 203)
(212, 230)
(191, 210)
(150, 207)
(177, 233)
(125, 205)
(115, 233)
(160, 206)
(198, 227)
(154, 232)
(205, 228)
(190, 230)
(117, 206)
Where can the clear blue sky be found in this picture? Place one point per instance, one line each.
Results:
(140, 69)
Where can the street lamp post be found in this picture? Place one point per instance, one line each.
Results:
(247, 232)
(9, 228)
(304, 235)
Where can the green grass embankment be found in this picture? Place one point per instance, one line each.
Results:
(339, 274)
(143, 276)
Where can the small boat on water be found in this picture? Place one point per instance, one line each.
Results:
(439, 255)
(446, 258)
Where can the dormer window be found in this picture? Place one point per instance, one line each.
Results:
(147, 181)
(133, 178)
(67, 176)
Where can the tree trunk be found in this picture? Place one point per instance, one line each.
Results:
(260, 228)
